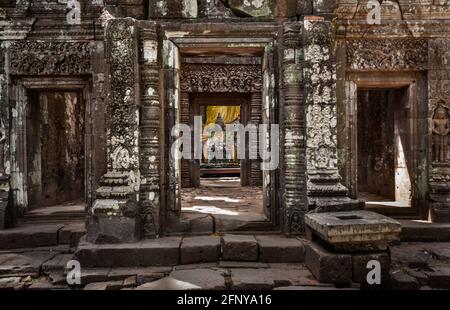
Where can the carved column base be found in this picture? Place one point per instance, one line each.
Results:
(327, 194)
(114, 216)
(4, 195)
(440, 202)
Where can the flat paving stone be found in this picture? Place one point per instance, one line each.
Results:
(24, 264)
(440, 277)
(279, 249)
(168, 283)
(92, 275)
(264, 279)
(11, 283)
(199, 249)
(239, 248)
(205, 278)
(402, 281)
(57, 263)
(143, 274)
(413, 255)
(104, 286)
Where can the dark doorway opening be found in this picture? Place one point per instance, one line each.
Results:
(385, 125)
(55, 149)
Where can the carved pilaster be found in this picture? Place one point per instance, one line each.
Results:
(149, 139)
(439, 127)
(294, 125)
(324, 190)
(255, 119)
(114, 214)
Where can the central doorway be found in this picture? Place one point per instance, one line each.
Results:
(221, 187)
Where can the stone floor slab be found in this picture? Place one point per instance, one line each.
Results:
(168, 283)
(205, 278)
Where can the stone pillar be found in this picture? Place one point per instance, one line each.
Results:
(294, 127)
(438, 115)
(324, 190)
(114, 216)
(149, 139)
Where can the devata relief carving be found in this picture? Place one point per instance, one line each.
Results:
(221, 78)
(394, 54)
(46, 58)
(441, 130)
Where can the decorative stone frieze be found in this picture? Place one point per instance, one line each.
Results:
(387, 54)
(221, 78)
(49, 58)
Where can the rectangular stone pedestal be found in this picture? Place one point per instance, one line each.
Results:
(354, 231)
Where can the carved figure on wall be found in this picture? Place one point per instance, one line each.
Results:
(441, 129)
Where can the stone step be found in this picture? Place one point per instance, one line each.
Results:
(414, 230)
(171, 251)
(41, 235)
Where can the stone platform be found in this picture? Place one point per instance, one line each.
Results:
(354, 231)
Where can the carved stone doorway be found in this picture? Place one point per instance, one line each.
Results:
(55, 148)
(388, 143)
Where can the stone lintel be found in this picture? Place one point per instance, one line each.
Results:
(354, 230)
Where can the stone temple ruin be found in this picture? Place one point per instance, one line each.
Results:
(91, 89)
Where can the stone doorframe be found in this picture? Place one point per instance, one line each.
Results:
(173, 42)
(18, 148)
(416, 83)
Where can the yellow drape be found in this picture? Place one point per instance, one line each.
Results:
(229, 114)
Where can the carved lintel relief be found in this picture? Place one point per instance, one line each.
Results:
(441, 130)
(49, 58)
(221, 78)
(387, 54)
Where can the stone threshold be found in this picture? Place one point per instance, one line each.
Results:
(172, 251)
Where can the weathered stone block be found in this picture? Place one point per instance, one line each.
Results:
(440, 277)
(199, 249)
(324, 6)
(239, 247)
(160, 252)
(279, 249)
(403, 281)
(354, 231)
(360, 269)
(103, 228)
(252, 8)
(328, 267)
(173, 9)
